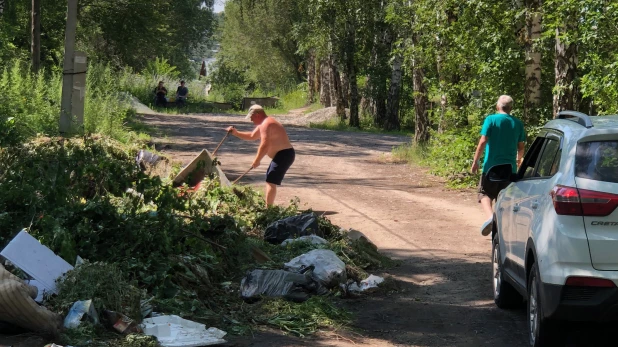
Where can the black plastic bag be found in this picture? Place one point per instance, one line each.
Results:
(292, 227)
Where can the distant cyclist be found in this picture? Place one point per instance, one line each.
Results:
(181, 94)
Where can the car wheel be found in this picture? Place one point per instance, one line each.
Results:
(541, 331)
(505, 296)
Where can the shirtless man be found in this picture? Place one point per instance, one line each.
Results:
(274, 142)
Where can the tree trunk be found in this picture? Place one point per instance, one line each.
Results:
(336, 92)
(377, 78)
(532, 93)
(421, 130)
(394, 93)
(565, 95)
(334, 80)
(442, 83)
(311, 79)
(345, 89)
(325, 89)
(351, 69)
(36, 35)
(354, 100)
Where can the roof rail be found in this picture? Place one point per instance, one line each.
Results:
(582, 118)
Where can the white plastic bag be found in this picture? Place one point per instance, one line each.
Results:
(329, 269)
(370, 282)
(313, 239)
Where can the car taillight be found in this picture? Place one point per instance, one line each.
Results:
(581, 202)
(576, 281)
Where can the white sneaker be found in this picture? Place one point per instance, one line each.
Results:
(487, 226)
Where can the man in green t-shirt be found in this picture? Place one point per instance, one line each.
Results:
(502, 138)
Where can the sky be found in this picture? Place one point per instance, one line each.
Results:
(219, 5)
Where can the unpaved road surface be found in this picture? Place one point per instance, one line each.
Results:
(444, 280)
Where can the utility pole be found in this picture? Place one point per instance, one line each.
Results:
(36, 35)
(66, 111)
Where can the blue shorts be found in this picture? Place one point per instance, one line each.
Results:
(280, 165)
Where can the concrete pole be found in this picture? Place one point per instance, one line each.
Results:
(66, 115)
(80, 65)
(36, 35)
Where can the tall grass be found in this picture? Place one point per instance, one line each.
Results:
(30, 104)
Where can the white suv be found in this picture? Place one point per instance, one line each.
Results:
(555, 232)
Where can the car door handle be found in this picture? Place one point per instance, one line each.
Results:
(535, 205)
(516, 208)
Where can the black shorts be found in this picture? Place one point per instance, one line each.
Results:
(280, 165)
(492, 182)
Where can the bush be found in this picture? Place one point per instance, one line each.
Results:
(448, 155)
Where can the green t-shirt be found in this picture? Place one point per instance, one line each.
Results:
(503, 133)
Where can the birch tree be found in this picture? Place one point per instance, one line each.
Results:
(532, 93)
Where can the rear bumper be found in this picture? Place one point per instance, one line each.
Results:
(579, 303)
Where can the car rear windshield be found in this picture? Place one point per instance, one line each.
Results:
(597, 160)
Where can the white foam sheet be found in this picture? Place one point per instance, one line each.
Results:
(173, 331)
(38, 261)
(39, 297)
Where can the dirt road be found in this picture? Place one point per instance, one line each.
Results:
(445, 288)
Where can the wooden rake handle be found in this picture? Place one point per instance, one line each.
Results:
(220, 143)
(241, 176)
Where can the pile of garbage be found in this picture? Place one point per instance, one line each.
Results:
(316, 272)
(112, 247)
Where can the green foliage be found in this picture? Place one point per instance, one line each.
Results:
(103, 283)
(161, 67)
(88, 334)
(306, 318)
(229, 82)
(448, 155)
(257, 40)
(122, 33)
(31, 101)
(292, 98)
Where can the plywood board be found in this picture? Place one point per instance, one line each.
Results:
(198, 168)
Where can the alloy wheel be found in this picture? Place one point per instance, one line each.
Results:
(533, 312)
(497, 271)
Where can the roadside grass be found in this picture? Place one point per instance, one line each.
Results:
(314, 107)
(290, 101)
(409, 153)
(447, 155)
(366, 126)
(191, 107)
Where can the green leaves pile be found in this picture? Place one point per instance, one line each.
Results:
(187, 251)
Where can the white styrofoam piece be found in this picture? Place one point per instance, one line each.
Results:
(38, 261)
(39, 297)
(173, 331)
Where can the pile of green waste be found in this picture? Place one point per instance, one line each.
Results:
(144, 240)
